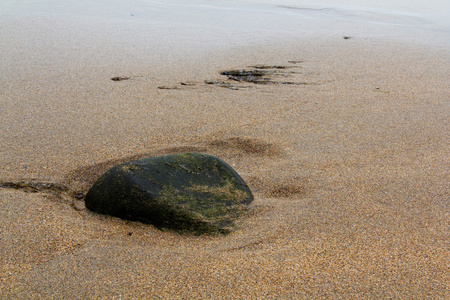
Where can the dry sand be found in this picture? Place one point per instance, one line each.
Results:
(349, 170)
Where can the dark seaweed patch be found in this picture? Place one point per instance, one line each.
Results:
(259, 74)
(253, 76)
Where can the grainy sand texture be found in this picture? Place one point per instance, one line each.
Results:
(346, 150)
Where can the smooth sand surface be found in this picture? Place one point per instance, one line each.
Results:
(349, 169)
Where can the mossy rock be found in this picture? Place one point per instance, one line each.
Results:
(189, 192)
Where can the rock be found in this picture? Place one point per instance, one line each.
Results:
(190, 192)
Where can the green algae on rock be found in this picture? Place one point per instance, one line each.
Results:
(188, 192)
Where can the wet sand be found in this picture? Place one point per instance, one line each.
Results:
(349, 168)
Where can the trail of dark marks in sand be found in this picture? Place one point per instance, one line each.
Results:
(59, 192)
(250, 76)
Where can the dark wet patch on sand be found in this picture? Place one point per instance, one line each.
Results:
(285, 191)
(248, 146)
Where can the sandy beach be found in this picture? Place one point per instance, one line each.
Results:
(348, 162)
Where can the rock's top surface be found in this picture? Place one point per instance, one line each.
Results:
(187, 192)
